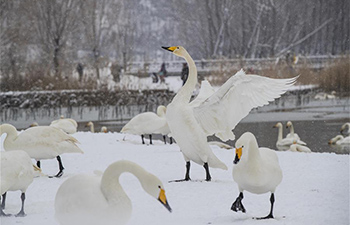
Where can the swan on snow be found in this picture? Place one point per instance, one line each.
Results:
(41, 142)
(218, 114)
(256, 170)
(16, 174)
(100, 199)
(67, 125)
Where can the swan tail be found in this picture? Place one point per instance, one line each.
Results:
(214, 162)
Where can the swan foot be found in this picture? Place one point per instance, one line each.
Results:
(181, 180)
(237, 205)
(4, 214)
(21, 214)
(206, 167)
(270, 216)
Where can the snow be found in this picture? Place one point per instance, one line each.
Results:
(314, 190)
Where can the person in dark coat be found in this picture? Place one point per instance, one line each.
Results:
(184, 73)
(162, 73)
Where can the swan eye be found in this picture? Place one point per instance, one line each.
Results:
(159, 187)
(177, 47)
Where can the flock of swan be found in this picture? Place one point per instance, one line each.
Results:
(101, 198)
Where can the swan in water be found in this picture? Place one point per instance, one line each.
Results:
(16, 174)
(101, 199)
(294, 136)
(68, 125)
(104, 129)
(299, 148)
(92, 126)
(148, 123)
(256, 170)
(218, 114)
(282, 144)
(42, 142)
(344, 127)
(340, 140)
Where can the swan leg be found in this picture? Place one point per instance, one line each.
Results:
(171, 140)
(142, 138)
(21, 213)
(270, 216)
(206, 167)
(164, 138)
(237, 205)
(61, 168)
(150, 139)
(3, 200)
(3, 206)
(187, 176)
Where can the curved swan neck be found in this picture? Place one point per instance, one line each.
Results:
(186, 91)
(253, 153)
(11, 134)
(110, 185)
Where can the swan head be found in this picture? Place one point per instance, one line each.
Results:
(277, 125)
(243, 143)
(161, 110)
(154, 187)
(89, 124)
(104, 129)
(177, 50)
(289, 124)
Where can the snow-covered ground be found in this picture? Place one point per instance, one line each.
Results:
(314, 190)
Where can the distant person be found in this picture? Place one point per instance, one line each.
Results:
(184, 73)
(154, 78)
(116, 71)
(162, 73)
(80, 70)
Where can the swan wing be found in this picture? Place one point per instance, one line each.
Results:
(222, 111)
(204, 93)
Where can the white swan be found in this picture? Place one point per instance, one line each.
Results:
(16, 174)
(340, 140)
(68, 125)
(42, 142)
(104, 129)
(257, 170)
(344, 127)
(282, 144)
(299, 148)
(92, 126)
(148, 123)
(101, 199)
(294, 136)
(218, 114)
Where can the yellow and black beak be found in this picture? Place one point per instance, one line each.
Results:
(171, 49)
(162, 199)
(238, 155)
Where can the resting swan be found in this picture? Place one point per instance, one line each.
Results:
(345, 126)
(299, 148)
(66, 124)
(256, 170)
(42, 142)
(340, 140)
(294, 136)
(16, 174)
(218, 114)
(148, 123)
(91, 199)
(282, 144)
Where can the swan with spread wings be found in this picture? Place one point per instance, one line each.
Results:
(218, 114)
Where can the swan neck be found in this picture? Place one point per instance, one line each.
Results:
(280, 133)
(110, 185)
(253, 153)
(11, 135)
(92, 128)
(185, 92)
(291, 129)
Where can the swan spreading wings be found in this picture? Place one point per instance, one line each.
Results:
(218, 113)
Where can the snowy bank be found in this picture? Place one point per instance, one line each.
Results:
(314, 190)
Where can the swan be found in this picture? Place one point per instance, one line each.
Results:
(16, 174)
(101, 199)
(218, 114)
(344, 127)
(299, 148)
(294, 136)
(92, 126)
(68, 125)
(104, 129)
(256, 170)
(340, 140)
(148, 123)
(42, 142)
(282, 144)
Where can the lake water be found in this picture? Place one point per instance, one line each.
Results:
(315, 121)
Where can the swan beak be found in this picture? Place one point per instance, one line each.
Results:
(171, 49)
(162, 199)
(238, 155)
